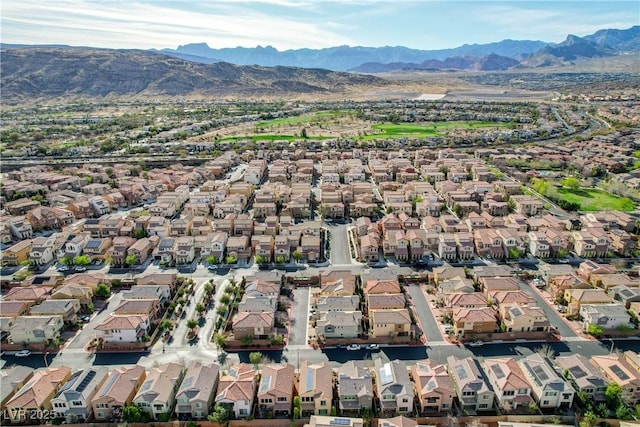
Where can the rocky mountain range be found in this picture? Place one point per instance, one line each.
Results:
(481, 57)
(52, 73)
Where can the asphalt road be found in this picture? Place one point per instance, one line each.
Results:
(428, 322)
(339, 241)
(299, 317)
(551, 313)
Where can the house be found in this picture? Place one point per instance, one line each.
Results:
(393, 387)
(433, 388)
(605, 316)
(143, 307)
(469, 321)
(36, 394)
(466, 300)
(36, 329)
(624, 294)
(337, 282)
(13, 379)
(470, 384)
(84, 294)
(499, 297)
(385, 301)
(575, 298)
(548, 388)
(354, 388)
(390, 323)
(161, 293)
(10, 310)
(73, 400)
(257, 304)
(315, 388)
(338, 303)
(197, 390)
(237, 389)
(162, 279)
(43, 250)
(524, 318)
(456, 285)
(123, 329)
(119, 248)
(17, 254)
(32, 293)
(258, 325)
(157, 395)
(509, 383)
(275, 392)
(67, 308)
(118, 391)
(399, 421)
(324, 421)
(239, 248)
(339, 324)
(381, 287)
(262, 288)
(142, 248)
(617, 369)
(584, 376)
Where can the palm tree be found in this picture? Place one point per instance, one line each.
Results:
(191, 324)
(200, 308)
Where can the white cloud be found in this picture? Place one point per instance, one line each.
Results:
(128, 25)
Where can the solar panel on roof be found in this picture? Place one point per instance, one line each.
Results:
(460, 372)
(265, 383)
(86, 380)
(112, 379)
(146, 386)
(497, 371)
(386, 374)
(187, 382)
(340, 421)
(516, 311)
(619, 372)
(540, 373)
(309, 385)
(577, 372)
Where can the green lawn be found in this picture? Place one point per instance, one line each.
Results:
(321, 116)
(270, 137)
(390, 131)
(596, 200)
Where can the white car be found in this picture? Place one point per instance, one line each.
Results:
(477, 343)
(373, 347)
(23, 353)
(353, 347)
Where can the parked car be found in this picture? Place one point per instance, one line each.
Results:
(563, 261)
(85, 318)
(373, 347)
(79, 269)
(477, 343)
(23, 353)
(353, 347)
(63, 268)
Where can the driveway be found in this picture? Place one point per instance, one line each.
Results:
(299, 317)
(429, 324)
(554, 318)
(340, 253)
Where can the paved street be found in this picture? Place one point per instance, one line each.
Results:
(554, 318)
(299, 318)
(339, 241)
(430, 325)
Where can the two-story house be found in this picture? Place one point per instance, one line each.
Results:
(197, 390)
(237, 389)
(548, 389)
(355, 388)
(157, 394)
(315, 388)
(36, 395)
(584, 376)
(509, 383)
(73, 400)
(275, 392)
(394, 387)
(471, 386)
(433, 387)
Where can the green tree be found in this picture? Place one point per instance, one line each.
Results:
(296, 413)
(131, 260)
(595, 330)
(255, 357)
(103, 291)
(200, 308)
(589, 419)
(225, 298)
(623, 412)
(165, 325)
(514, 253)
(219, 415)
(191, 324)
(280, 259)
(612, 394)
(81, 260)
(260, 259)
(571, 182)
(221, 310)
(133, 414)
(209, 289)
(220, 340)
(211, 259)
(140, 233)
(297, 255)
(231, 259)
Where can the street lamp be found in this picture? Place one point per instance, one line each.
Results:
(612, 344)
(46, 362)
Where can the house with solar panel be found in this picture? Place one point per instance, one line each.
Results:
(355, 388)
(237, 389)
(73, 401)
(195, 395)
(315, 388)
(37, 393)
(393, 387)
(324, 421)
(157, 395)
(617, 369)
(548, 388)
(472, 387)
(433, 387)
(509, 383)
(118, 391)
(275, 392)
(584, 376)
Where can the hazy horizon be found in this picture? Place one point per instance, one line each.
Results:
(314, 24)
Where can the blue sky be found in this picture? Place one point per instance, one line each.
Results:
(292, 24)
